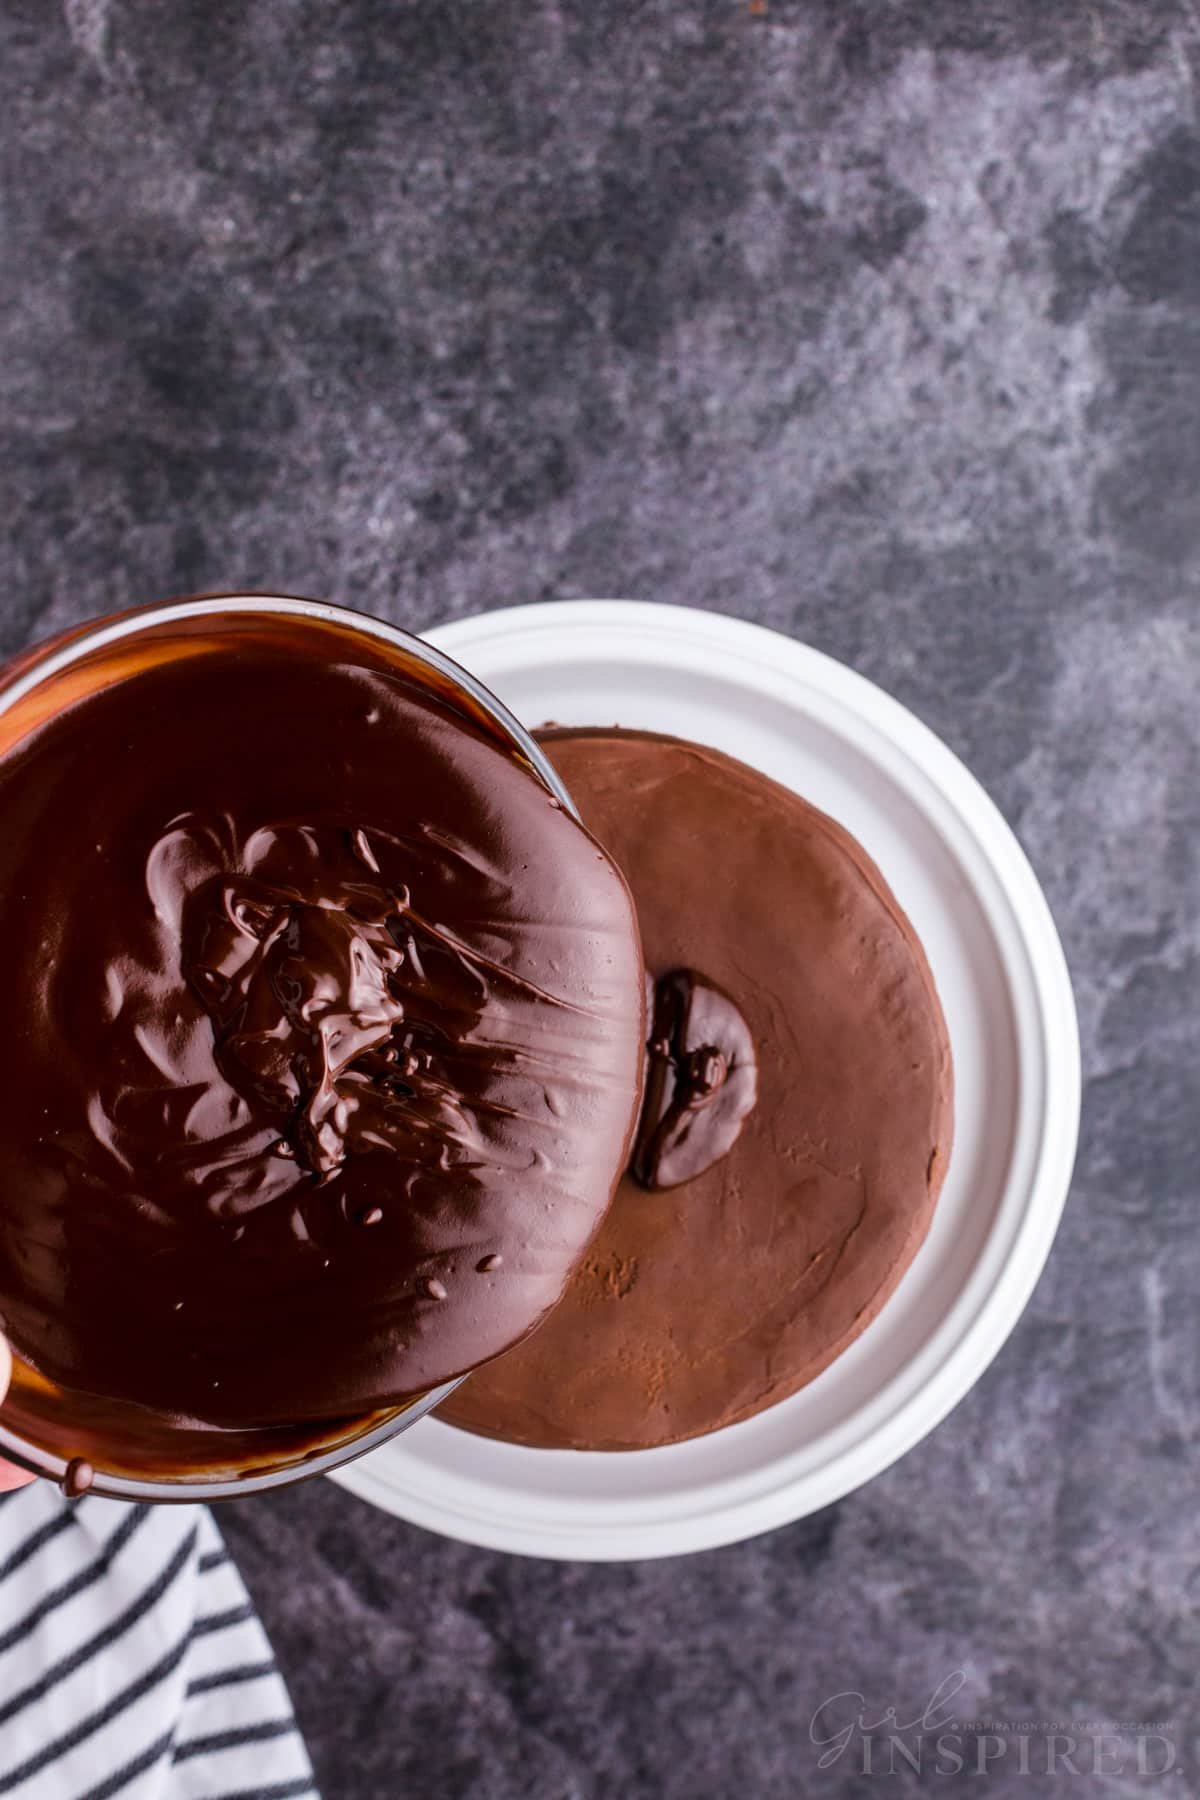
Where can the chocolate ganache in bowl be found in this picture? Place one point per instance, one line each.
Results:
(324, 1040)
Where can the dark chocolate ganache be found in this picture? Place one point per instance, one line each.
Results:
(701, 1080)
(323, 1027)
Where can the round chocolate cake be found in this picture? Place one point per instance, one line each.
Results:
(796, 1125)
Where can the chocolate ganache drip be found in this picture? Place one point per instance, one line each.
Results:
(701, 1080)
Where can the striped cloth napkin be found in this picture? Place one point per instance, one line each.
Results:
(132, 1662)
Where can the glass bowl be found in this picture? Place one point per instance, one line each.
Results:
(44, 1428)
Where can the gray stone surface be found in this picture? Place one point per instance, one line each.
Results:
(879, 324)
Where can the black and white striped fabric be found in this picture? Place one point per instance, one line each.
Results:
(132, 1662)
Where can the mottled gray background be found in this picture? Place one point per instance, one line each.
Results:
(879, 324)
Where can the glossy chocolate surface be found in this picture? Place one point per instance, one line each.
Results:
(775, 1231)
(323, 1029)
(701, 1080)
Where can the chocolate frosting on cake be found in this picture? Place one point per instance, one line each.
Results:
(742, 1271)
(323, 1027)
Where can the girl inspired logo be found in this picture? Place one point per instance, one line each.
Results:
(843, 1719)
(935, 1741)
